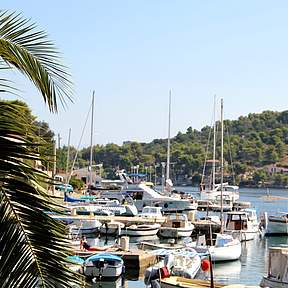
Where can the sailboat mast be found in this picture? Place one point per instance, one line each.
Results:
(168, 140)
(214, 145)
(68, 156)
(91, 141)
(222, 163)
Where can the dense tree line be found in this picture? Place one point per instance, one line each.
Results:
(251, 143)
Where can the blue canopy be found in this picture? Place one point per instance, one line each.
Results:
(75, 259)
(68, 198)
(137, 175)
(105, 256)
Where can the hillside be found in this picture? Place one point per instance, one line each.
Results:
(253, 143)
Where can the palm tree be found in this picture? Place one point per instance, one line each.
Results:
(33, 247)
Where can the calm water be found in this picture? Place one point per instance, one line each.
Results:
(253, 263)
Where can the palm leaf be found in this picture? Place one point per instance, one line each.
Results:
(33, 246)
(29, 50)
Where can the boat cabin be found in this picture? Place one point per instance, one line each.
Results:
(151, 211)
(237, 220)
(176, 221)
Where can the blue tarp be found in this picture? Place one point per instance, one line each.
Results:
(137, 175)
(105, 256)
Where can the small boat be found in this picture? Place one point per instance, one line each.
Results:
(243, 223)
(140, 230)
(222, 247)
(75, 263)
(151, 212)
(103, 265)
(182, 262)
(277, 224)
(277, 270)
(207, 224)
(112, 228)
(176, 226)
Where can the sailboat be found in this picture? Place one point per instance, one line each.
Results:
(213, 192)
(221, 247)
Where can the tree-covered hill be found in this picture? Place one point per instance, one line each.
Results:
(251, 143)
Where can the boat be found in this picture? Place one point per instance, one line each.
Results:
(243, 224)
(103, 265)
(277, 224)
(112, 228)
(79, 225)
(184, 263)
(206, 225)
(75, 263)
(152, 213)
(140, 230)
(144, 195)
(209, 190)
(221, 247)
(176, 225)
(277, 268)
(156, 246)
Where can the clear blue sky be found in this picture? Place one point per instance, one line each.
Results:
(133, 52)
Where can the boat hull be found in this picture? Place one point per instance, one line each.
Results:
(226, 253)
(276, 225)
(142, 232)
(272, 283)
(166, 232)
(108, 272)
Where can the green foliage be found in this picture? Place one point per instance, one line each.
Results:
(76, 183)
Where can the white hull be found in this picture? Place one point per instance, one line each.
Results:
(135, 232)
(108, 272)
(167, 232)
(226, 253)
(243, 235)
(272, 283)
(214, 195)
(277, 226)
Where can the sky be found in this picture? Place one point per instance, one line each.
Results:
(133, 52)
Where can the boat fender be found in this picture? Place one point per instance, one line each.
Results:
(205, 265)
(164, 272)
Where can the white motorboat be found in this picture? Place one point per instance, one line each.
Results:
(140, 230)
(277, 224)
(243, 223)
(230, 192)
(152, 213)
(103, 265)
(79, 225)
(278, 268)
(176, 225)
(181, 262)
(156, 246)
(223, 247)
(147, 196)
(112, 228)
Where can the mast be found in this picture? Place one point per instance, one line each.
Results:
(222, 163)
(214, 145)
(168, 140)
(91, 140)
(68, 155)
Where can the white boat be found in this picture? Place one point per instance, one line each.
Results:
(223, 247)
(152, 213)
(277, 224)
(176, 225)
(147, 196)
(103, 265)
(156, 246)
(277, 269)
(243, 224)
(79, 225)
(230, 192)
(140, 230)
(112, 228)
(185, 263)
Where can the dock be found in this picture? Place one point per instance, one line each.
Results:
(105, 219)
(134, 260)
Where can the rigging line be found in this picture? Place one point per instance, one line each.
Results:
(230, 154)
(207, 150)
(80, 140)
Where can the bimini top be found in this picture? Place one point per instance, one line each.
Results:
(105, 256)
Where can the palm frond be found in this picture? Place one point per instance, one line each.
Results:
(30, 51)
(33, 246)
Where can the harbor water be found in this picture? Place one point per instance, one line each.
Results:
(254, 259)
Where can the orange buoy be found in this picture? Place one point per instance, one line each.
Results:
(205, 265)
